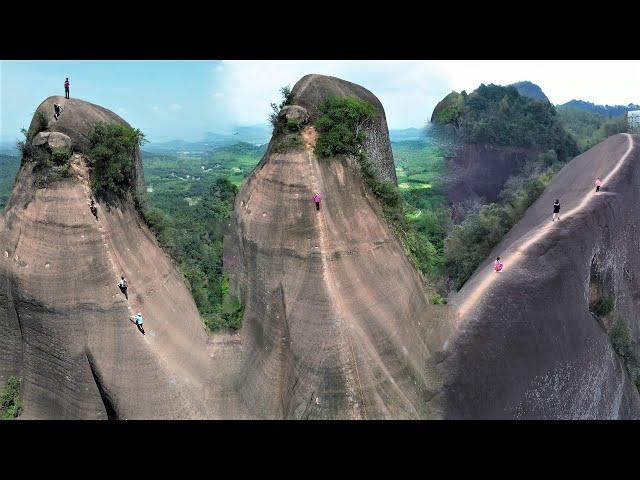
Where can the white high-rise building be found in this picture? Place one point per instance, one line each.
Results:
(633, 117)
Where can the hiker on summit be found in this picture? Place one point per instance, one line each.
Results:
(66, 88)
(556, 210)
(317, 198)
(598, 184)
(138, 320)
(498, 265)
(122, 284)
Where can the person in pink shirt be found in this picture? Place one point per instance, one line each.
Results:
(598, 184)
(317, 198)
(498, 265)
(66, 88)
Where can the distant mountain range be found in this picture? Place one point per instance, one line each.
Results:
(607, 110)
(531, 90)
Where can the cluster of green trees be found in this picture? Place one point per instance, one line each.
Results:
(470, 242)
(10, 405)
(111, 156)
(499, 115)
(590, 128)
(193, 237)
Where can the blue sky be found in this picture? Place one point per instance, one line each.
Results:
(184, 99)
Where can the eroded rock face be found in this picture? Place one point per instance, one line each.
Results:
(65, 326)
(312, 89)
(525, 344)
(479, 173)
(51, 140)
(335, 317)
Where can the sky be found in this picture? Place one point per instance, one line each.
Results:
(184, 99)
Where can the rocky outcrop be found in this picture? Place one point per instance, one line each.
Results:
(312, 89)
(531, 90)
(294, 114)
(76, 120)
(64, 324)
(335, 322)
(525, 344)
(51, 141)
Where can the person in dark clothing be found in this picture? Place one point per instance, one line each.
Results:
(122, 284)
(556, 210)
(94, 208)
(57, 110)
(66, 88)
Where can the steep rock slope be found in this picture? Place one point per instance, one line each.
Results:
(336, 322)
(64, 325)
(525, 344)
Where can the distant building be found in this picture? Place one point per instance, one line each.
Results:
(633, 117)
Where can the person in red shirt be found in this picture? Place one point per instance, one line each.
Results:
(66, 88)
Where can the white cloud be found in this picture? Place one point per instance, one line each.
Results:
(175, 106)
(409, 90)
(155, 108)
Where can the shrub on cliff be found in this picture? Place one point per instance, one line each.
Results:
(341, 126)
(111, 156)
(10, 405)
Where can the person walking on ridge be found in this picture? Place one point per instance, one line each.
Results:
(317, 198)
(66, 88)
(122, 284)
(556, 210)
(498, 265)
(598, 184)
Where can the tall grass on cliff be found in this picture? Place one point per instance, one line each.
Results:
(111, 156)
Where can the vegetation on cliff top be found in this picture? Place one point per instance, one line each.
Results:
(497, 115)
(111, 156)
(341, 131)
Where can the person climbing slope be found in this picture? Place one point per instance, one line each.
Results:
(122, 284)
(138, 320)
(598, 184)
(57, 110)
(66, 88)
(94, 208)
(317, 198)
(556, 210)
(498, 265)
